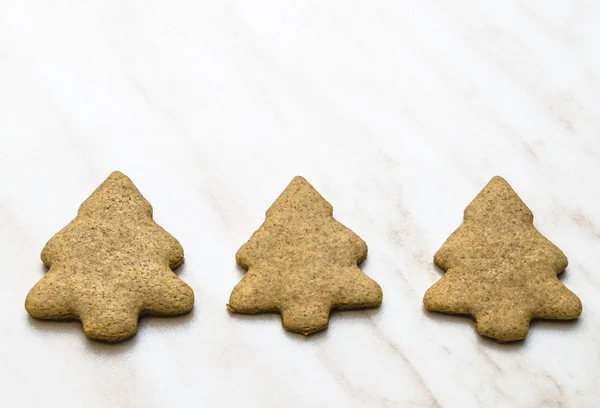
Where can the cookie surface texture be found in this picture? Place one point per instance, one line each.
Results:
(110, 265)
(500, 269)
(303, 263)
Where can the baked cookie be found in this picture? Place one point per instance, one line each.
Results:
(110, 265)
(303, 263)
(500, 269)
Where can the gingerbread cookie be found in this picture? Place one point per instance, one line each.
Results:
(110, 265)
(303, 263)
(500, 269)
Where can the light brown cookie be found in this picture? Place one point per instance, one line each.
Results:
(110, 265)
(303, 263)
(500, 269)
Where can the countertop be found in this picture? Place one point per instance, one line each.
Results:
(398, 112)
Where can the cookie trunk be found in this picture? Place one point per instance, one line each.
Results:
(109, 325)
(505, 326)
(305, 319)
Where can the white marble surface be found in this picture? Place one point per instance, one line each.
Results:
(399, 112)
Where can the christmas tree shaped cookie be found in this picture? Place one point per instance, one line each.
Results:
(110, 265)
(303, 263)
(500, 269)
